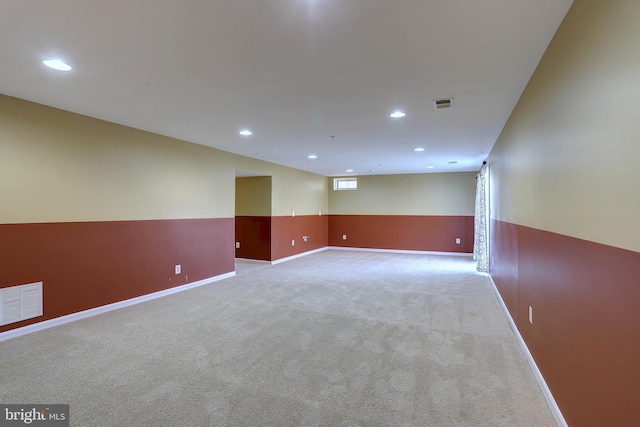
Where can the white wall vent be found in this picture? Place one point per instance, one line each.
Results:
(20, 303)
(441, 104)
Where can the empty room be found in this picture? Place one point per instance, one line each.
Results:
(319, 213)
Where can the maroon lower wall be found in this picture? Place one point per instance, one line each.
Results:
(402, 232)
(585, 336)
(84, 265)
(284, 229)
(254, 235)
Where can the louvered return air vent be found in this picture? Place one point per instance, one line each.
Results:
(441, 104)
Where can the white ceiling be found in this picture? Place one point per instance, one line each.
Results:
(296, 72)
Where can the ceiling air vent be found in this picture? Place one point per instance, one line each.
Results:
(441, 104)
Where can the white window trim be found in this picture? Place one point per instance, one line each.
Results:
(340, 184)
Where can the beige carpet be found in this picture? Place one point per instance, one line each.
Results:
(338, 338)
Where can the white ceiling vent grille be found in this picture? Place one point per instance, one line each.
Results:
(441, 104)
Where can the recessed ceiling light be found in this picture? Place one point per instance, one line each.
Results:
(312, 156)
(349, 170)
(397, 114)
(430, 167)
(57, 64)
(246, 132)
(418, 149)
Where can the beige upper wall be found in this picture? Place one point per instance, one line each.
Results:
(253, 196)
(567, 160)
(292, 189)
(58, 166)
(411, 194)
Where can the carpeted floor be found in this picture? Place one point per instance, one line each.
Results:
(337, 338)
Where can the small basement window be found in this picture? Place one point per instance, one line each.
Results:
(345, 183)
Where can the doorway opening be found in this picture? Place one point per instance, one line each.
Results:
(253, 216)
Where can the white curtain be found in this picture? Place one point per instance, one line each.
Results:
(481, 238)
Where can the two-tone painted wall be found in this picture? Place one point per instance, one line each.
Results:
(423, 212)
(293, 221)
(565, 203)
(101, 213)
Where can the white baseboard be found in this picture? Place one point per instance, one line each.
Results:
(342, 248)
(14, 333)
(252, 261)
(289, 258)
(555, 410)
(399, 251)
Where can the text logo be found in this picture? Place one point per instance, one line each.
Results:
(34, 415)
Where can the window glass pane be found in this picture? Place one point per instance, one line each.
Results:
(345, 183)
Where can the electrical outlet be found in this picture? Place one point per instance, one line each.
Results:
(293, 213)
(319, 213)
(344, 237)
(178, 268)
(457, 240)
(530, 315)
(293, 243)
(237, 245)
